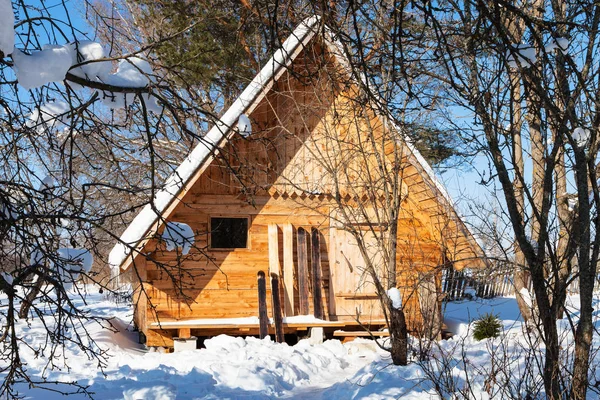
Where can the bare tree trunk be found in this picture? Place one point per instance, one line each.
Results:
(587, 278)
(551, 372)
(398, 336)
(520, 274)
(29, 299)
(534, 122)
(429, 302)
(565, 216)
(562, 256)
(398, 328)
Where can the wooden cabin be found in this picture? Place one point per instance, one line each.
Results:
(304, 197)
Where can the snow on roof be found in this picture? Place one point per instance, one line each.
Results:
(140, 228)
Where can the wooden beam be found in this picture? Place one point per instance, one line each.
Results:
(316, 273)
(262, 305)
(302, 272)
(195, 324)
(342, 333)
(332, 270)
(273, 250)
(288, 269)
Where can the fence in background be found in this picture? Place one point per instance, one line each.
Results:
(486, 283)
(469, 283)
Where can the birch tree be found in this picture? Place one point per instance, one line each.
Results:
(528, 71)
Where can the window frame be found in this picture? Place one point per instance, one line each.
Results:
(248, 218)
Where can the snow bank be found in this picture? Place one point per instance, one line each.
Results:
(459, 314)
(178, 234)
(42, 67)
(158, 392)
(228, 368)
(250, 368)
(7, 27)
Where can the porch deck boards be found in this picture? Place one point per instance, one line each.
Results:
(229, 324)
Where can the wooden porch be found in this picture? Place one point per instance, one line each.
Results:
(165, 331)
(303, 292)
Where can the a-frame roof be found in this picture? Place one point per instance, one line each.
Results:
(164, 200)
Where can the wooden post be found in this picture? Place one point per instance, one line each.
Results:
(496, 285)
(486, 293)
(288, 269)
(316, 273)
(277, 317)
(453, 284)
(505, 287)
(449, 283)
(463, 286)
(184, 333)
(302, 272)
(262, 306)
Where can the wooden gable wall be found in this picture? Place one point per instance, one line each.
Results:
(277, 176)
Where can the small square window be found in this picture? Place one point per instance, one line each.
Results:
(228, 233)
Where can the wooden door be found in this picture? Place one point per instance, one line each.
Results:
(352, 291)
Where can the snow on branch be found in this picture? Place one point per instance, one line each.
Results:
(178, 234)
(525, 56)
(244, 125)
(50, 116)
(81, 260)
(562, 44)
(83, 63)
(42, 67)
(581, 136)
(87, 60)
(132, 72)
(71, 263)
(396, 298)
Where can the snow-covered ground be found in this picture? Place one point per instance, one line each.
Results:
(237, 368)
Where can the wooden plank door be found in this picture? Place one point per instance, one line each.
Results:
(351, 289)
